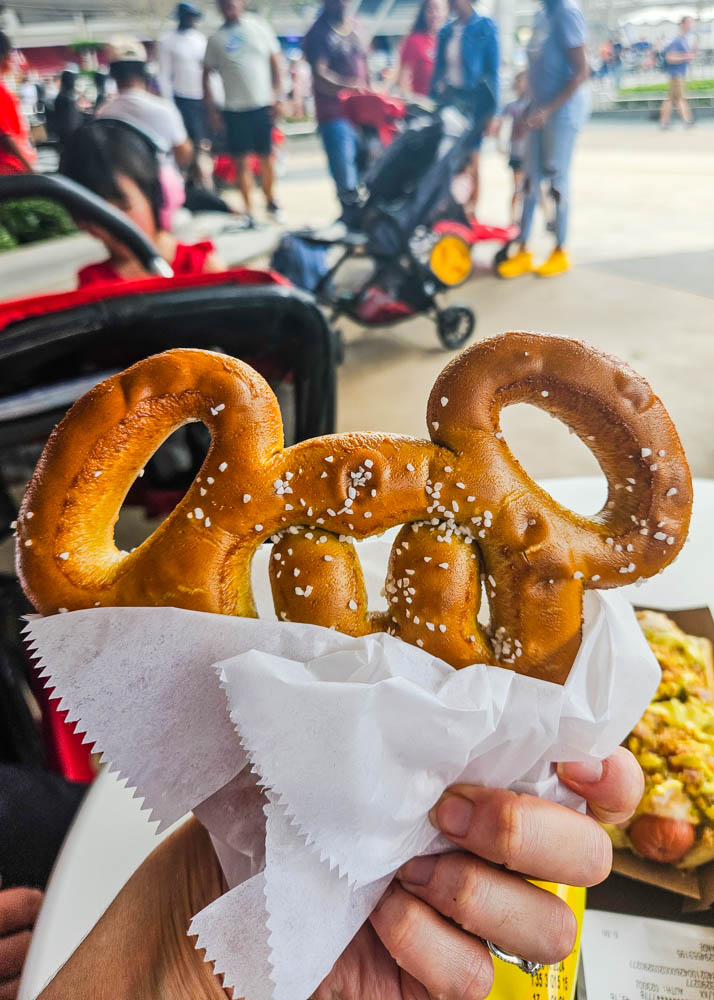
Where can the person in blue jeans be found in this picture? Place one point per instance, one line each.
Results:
(338, 59)
(466, 55)
(557, 70)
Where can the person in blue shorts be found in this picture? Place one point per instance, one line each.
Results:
(677, 57)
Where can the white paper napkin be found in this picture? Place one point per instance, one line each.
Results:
(353, 739)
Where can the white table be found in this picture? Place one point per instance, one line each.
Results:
(111, 836)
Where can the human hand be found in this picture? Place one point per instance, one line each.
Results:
(423, 939)
(537, 118)
(216, 121)
(494, 126)
(426, 936)
(18, 912)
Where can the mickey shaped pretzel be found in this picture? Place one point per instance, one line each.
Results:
(472, 519)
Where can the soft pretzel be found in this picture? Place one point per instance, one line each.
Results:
(473, 519)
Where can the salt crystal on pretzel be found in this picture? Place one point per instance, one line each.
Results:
(469, 511)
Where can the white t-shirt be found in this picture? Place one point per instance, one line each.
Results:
(181, 64)
(241, 53)
(158, 118)
(454, 64)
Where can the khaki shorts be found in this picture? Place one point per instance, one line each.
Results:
(676, 88)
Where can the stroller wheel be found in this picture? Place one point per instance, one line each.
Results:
(454, 326)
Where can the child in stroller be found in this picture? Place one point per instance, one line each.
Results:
(119, 163)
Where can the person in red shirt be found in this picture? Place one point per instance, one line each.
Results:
(16, 153)
(419, 49)
(117, 163)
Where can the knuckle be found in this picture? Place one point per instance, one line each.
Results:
(472, 891)
(559, 931)
(510, 829)
(477, 978)
(402, 930)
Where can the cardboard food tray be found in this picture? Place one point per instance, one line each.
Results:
(697, 885)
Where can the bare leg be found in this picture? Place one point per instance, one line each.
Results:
(665, 112)
(267, 177)
(245, 182)
(473, 170)
(684, 111)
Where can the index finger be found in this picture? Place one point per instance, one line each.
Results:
(535, 837)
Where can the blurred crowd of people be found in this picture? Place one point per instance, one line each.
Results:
(209, 110)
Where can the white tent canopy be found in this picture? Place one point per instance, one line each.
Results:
(653, 16)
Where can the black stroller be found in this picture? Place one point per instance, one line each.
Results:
(408, 226)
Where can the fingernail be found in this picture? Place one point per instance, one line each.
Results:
(580, 772)
(453, 815)
(418, 871)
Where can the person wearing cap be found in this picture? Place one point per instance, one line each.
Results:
(155, 117)
(180, 54)
(245, 53)
(158, 118)
(160, 121)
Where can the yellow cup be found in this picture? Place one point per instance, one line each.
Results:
(553, 982)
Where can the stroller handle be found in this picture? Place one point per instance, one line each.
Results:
(79, 201)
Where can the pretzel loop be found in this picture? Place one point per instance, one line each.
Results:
(472, 518)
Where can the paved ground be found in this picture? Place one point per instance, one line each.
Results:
(642, 287)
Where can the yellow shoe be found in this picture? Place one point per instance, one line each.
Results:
(557, 263)
(514, 267)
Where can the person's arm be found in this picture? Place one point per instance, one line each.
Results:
(165, 75)
(12, 146)
(139, 949)
(572, 31)
(213, 264)
(215, 118)
(674, 57)
(183, 153)
(425, 936)
(276, 77)
(181, 145)
(579, 64)
(329, 83)
(403, 84)
(492, 61)
(325, 81)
